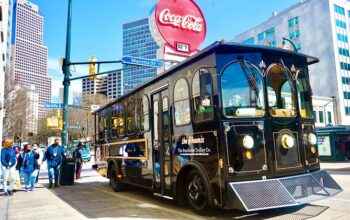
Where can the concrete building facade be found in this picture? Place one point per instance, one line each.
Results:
(29, 55)
(5, 47)
(109, 85)
(138, 42)
(320, 28)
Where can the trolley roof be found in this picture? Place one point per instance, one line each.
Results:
(219, 47)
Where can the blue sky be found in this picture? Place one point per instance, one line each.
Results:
(97, 25)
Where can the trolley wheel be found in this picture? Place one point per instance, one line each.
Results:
(114, 182)
(198, 193)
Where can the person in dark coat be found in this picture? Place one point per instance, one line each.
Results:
(53, 155)
(8, 165)
(78, 155)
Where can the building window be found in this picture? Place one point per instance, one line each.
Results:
(320, 116)
(266, 34)
(182, 102)
(344, 66)
(339, 10)
(346, 95)
(340, 24)
(292, 22)
(249, 41)
(346, 80)
(329, 116)
(344, 52)
(294, 35)
(347, 110)
(202, 92)
(342, 37)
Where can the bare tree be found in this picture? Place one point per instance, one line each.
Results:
(17, 119)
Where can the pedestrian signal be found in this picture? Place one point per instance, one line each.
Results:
(92, 68)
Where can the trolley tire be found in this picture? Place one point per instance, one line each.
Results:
(198, 193)
(116, 185)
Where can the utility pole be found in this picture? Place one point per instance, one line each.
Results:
(66, 81)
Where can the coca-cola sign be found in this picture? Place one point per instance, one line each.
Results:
(179, 24)
(187, 22)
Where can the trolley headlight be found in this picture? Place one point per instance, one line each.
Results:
(312, 139)
(248, 142)
(287, 141)
(313, 149)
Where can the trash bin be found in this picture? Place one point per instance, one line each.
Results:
(67, 171)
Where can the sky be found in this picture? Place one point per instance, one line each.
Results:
(97, 27)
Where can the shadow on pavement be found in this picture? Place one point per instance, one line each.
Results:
(97, 200)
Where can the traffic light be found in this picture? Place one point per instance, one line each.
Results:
(92, 68)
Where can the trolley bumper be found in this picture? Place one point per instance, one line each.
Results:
(282, 192)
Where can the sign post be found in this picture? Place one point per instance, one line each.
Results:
(50, 105)
(142, 61)
(178, 27)
(66, 72)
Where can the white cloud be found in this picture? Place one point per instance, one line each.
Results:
(53, 65)
(57, 83)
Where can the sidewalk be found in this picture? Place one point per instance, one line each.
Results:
(31, 205)
(43, 203)
(335, 166)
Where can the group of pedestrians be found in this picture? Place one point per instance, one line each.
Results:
(27, 164)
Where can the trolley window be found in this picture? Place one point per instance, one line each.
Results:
(182, 103)
(144, 113)
(202, 92)
(281, 89)
(117, 121)
(304, 95)
(242, 90)
(130, 117)
(155, 120)
(165, 120)
(102, 125)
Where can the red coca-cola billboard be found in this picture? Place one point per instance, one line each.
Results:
(179, 24)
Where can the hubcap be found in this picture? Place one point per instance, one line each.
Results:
(196, 191)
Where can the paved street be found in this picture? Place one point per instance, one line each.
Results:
(92, 198)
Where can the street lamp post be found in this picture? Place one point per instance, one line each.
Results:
(66, 72)
(291, 42)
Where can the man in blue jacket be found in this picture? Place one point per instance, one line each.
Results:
(53, 155)
(8, 162)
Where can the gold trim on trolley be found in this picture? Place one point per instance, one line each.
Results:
(105, 156)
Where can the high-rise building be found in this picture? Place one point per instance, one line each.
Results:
(5, 47)
(320, 28)
(138, 42)
(109, 85)
(114, 85)
(29, 55)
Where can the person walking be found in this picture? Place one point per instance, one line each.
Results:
(8, 162)
(37, 162)
(18, 174)
(53, 155)
(78, 155)
(26, 163)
